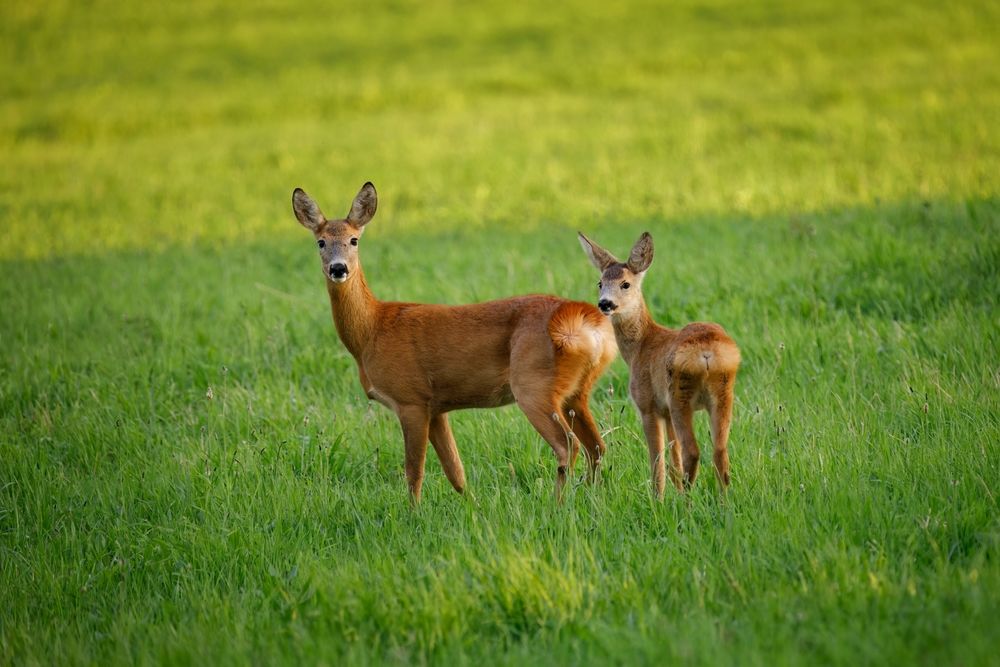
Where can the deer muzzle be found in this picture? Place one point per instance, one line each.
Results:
(338, 272)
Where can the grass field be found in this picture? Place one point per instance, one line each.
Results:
(189, 472)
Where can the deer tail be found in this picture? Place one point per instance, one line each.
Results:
(578, 329)
(707, 358)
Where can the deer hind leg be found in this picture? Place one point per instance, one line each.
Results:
(569, 408)
(572, 439)
(586, 431)
(415, 422)
(676, 460)
(447, 452)
(721, 418)
(541, 385)
(544, 413)
(681, 416)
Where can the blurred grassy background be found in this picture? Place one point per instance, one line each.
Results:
(189, 472)
(196, 117)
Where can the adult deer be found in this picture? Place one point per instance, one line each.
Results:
(672, 372)
(423, 360)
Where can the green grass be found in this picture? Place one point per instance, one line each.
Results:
(189, 472)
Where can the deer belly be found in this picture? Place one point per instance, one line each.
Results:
(441, 392)
(456, 393)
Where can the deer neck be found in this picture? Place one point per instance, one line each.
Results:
(354, 310)
(631, 329)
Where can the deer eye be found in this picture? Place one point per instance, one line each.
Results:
(321, 243)
(625, 285)
(354, 241)
(600, 285)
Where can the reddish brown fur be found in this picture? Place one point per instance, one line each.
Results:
(673, 372)
(424, 360)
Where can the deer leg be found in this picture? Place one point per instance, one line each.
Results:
(676, 462)
(681, 414)
(545, 416)
(587, 433)
(721, 418)
(652, 426)
(540, 388)
(568, 415)
(447, 452)
(415, 423)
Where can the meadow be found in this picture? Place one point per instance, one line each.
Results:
(191, 474)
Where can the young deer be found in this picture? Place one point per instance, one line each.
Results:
(422, 360)
(673, 373)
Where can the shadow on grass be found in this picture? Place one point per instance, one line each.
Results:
(149, 508)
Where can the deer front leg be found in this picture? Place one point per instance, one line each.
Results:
(447, 452)
(415, 422)
(652, 426)
(372, 393)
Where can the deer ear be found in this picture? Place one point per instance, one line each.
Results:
(642, 254)
(363, 208)
(306, 210)
(599, 257)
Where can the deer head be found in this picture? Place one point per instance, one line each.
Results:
(621, 282)
(337, 239)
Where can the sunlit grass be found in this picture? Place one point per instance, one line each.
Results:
(189, 471)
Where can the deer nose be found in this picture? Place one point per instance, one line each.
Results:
(338, 270)
(606, 306)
